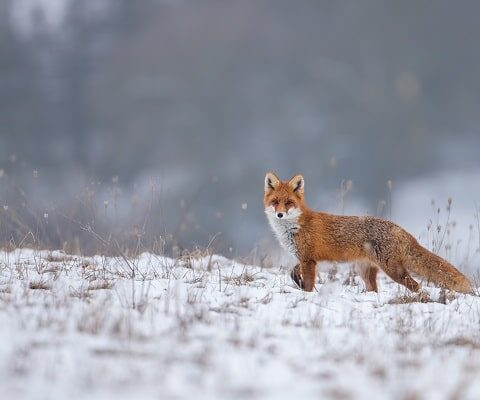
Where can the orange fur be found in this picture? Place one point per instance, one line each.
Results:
(374, 242)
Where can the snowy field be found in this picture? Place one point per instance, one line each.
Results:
(208, 327)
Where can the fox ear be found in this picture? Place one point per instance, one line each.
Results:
(297, 183)
(271, 181)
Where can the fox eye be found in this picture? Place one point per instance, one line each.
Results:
(275, 202)
(288, 203)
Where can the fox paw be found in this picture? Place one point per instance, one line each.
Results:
(423, 296)
(297, 278)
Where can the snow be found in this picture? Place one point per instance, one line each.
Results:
(209, 327)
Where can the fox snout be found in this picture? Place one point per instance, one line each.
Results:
(279, 211)
(282, 212)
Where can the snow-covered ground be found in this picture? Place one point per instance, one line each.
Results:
(209, 327)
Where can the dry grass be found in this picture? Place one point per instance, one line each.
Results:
(243, 279)
(5, 289)
(464, 342)
(39, 285)
(58, 257)
(101, 285)
(81, 294)
(421, 297)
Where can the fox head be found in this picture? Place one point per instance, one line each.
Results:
(283, 199)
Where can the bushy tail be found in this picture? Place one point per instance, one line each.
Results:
(437, 270)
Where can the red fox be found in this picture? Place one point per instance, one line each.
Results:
(373, 242)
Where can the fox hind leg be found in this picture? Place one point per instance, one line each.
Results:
(400, 275)
(368, 272)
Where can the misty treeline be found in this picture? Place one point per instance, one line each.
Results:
(158, 119)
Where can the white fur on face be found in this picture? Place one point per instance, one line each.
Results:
(285, 228)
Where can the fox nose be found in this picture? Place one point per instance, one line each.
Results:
(280, 215)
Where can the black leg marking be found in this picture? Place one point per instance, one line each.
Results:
(297, 278)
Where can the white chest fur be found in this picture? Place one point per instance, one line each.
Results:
(285, 228)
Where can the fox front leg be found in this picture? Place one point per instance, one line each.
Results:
(296, 276)
(309, 272)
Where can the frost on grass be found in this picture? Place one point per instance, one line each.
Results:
(154, 327)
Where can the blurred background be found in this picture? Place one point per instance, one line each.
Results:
(154, 122)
